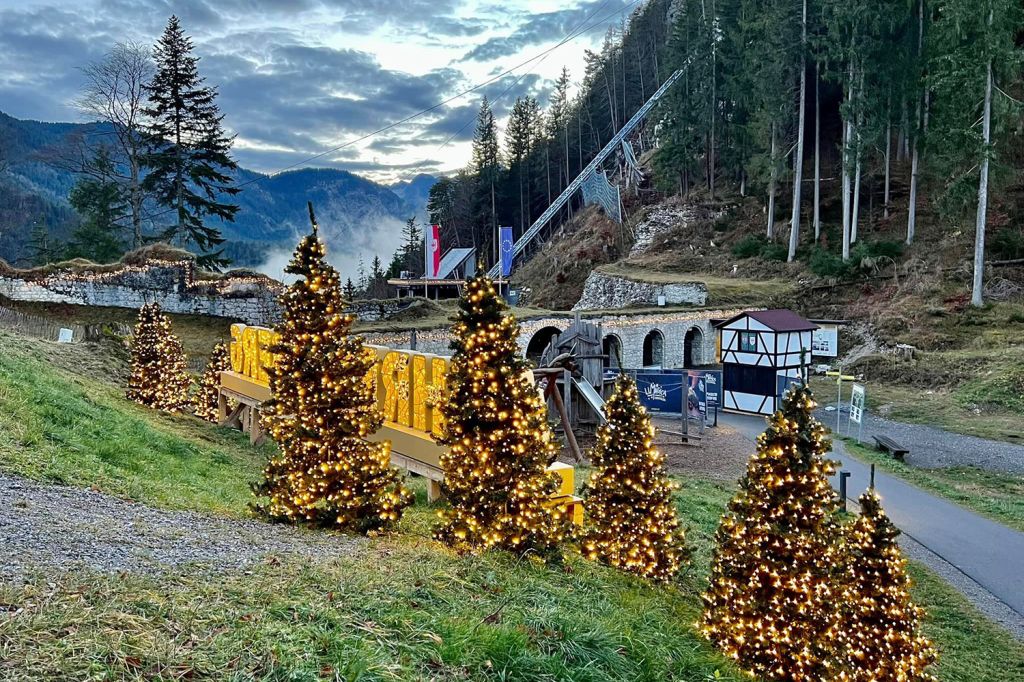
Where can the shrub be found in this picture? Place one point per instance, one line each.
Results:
(774, 251)
(749, 246)
(1008, 244)
(824, 263)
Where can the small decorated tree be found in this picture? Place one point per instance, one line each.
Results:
(158, 377)
(499, 439)
(322, 410)
(880, 638)
(772, 599)
(208, 394)
(633, 523)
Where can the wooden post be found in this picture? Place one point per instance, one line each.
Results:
(570, 437)
(434, 492)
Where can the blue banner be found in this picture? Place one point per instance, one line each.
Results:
(661, 391)
(709, 381)
(507, 242)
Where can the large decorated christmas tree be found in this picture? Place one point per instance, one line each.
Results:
(632, 518)
(772, 604)
(158, 377)
(880, 638)
(499, 439)
(208, 394)
(322, 410)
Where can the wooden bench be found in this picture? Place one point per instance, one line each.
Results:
(887, 444)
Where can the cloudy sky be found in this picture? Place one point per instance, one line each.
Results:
(299, 77)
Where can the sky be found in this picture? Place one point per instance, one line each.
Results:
(299, 77)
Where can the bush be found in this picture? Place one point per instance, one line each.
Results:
(774, 251)
(749, 246)
(1008, 244)
(824, 263)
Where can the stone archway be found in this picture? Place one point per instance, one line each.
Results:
(539, 341)
(693, 348)
(611, 346)
(654, 349)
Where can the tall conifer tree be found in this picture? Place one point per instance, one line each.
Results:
(158, 377)
(188, 156)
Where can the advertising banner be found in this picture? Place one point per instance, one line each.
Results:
(711, 385)
(857, 404)
(507, 242)
(825, 341)
(661, 391)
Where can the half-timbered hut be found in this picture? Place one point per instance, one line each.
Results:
(761, 352)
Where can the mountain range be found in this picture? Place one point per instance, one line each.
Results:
(358, 217)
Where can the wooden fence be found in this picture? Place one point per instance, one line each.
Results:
(42, 328)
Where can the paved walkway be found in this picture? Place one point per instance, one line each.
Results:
(981, 558)
(932, 448)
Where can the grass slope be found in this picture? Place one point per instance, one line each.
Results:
(403, 608)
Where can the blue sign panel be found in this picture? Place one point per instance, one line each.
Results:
(661, 391)
(709, 382)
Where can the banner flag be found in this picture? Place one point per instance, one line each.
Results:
(431, 251)
(507, 243)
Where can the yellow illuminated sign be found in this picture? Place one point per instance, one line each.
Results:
(408, 385)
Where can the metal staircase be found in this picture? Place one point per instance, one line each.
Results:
(612, 145)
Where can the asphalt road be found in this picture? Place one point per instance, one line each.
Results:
(988, 553)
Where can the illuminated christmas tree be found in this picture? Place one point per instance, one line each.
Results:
(158, 377)
(880, 638)
(499, 439)
(207, 396)
(629, 497)
(322, 410)
(772, 601)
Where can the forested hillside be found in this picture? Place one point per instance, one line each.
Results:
(838, 116)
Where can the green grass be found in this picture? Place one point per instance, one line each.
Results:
(997, 495)
(399, 607)
(66, 428)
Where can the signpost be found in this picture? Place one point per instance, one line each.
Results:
(840, 378)
(856, 411)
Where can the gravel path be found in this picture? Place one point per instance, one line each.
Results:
(65, 528)
(932, 448)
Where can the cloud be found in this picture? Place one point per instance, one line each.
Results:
(543, 27)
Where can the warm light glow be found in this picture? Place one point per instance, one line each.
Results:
(158, 377)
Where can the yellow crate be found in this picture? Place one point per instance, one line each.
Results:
(567, 478)
(572, 503)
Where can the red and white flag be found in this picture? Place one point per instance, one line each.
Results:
(432, 251)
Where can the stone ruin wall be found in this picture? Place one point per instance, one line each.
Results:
(252, 299)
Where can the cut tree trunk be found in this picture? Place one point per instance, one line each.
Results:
(771, 189)
(977, 292)
(798, 160)
(817, 154)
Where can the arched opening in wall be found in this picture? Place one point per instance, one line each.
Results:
(612, 349)
(654, 349)
(693, 348)
(539, 341)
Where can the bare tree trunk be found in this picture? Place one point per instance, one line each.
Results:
(888, 156)
(817, 154)
(855, 217)
(714, 103)
(798, 159)
(847, 136)
(916, 153)
(977, 291)
(771, 189)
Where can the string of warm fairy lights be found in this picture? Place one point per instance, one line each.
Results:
(498, 437)
(880, 638)
(771, 599)
(207, 397)
(324, 471)
(158, 376)
(628, 500)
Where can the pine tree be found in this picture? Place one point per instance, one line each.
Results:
(880, 638)
(102, 204)
(770, 604)
(350, 290)
(40, 247)
(629, 497)
(207, 397)
(158, 378)
(325, 473)
(412, 248)
(487, 170)
(188, 153)
(500, 442)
